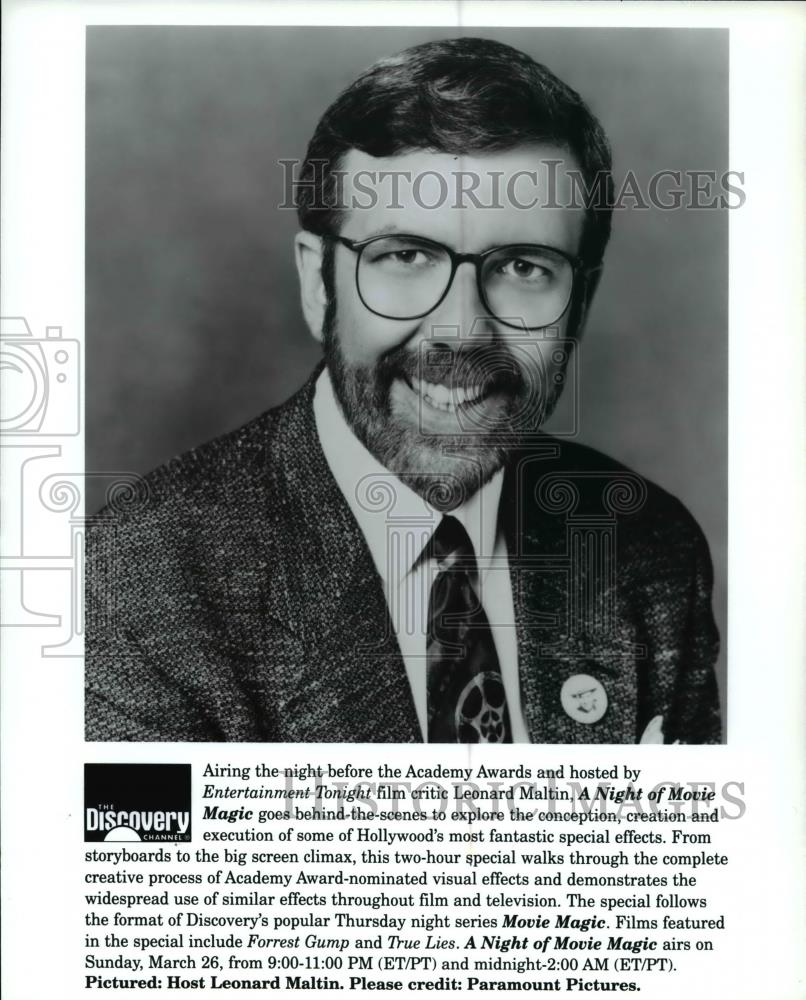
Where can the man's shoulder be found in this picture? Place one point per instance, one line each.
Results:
(221, 475)
(574, 481)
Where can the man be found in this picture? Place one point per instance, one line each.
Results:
(398, 553)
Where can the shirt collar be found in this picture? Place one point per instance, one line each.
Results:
(384, 507)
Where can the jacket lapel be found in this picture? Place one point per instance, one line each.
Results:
(558, 620)
(344, 679)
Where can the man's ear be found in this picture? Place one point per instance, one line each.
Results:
(308, 255)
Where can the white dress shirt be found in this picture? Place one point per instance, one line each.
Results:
(397, 525)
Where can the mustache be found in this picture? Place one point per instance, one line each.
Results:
(488, 369)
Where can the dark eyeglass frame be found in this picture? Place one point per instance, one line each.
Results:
(477, 260)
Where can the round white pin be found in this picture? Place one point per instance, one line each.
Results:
(584, 698)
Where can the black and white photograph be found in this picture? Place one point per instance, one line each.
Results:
(408, 349)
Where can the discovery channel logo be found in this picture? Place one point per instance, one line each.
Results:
(137, 802)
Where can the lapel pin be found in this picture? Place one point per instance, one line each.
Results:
(584, 698)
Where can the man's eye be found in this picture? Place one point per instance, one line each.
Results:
(406, 258)
(525, 270)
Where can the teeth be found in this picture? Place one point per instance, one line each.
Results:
(443, 398)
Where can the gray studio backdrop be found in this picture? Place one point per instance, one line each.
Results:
(192, 317)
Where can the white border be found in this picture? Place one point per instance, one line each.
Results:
(41, 267)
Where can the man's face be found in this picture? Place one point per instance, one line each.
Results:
(441, 400)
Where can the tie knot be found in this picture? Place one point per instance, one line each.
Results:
(451, 545)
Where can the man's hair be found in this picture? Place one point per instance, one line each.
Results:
(465, 95)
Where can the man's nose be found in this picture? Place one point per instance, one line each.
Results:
(462, 309)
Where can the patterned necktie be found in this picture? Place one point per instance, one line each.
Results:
(466, 698)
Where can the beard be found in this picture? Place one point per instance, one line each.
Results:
(445, 469)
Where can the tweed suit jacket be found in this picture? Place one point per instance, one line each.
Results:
(233, 597)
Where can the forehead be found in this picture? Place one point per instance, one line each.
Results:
(470, 201)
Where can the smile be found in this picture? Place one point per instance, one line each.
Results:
(442, 398)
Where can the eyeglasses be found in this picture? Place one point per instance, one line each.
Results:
(524, 285)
